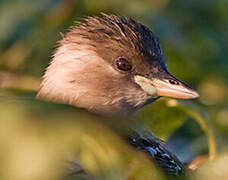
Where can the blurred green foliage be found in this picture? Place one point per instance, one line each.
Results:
(34, 135)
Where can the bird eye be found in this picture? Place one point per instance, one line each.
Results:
(173, 82)
(123, 65)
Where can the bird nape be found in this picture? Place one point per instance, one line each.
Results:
(114, 65)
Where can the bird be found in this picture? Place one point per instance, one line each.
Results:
(114, 65)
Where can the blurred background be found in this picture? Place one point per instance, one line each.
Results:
(194, 37)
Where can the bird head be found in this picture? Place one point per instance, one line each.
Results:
(110, 64)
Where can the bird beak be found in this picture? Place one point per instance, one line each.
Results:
(169, 87)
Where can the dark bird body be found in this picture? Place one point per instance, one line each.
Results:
(157, 151)
(112, 65)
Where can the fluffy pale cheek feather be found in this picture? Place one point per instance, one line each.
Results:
(59, 81)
